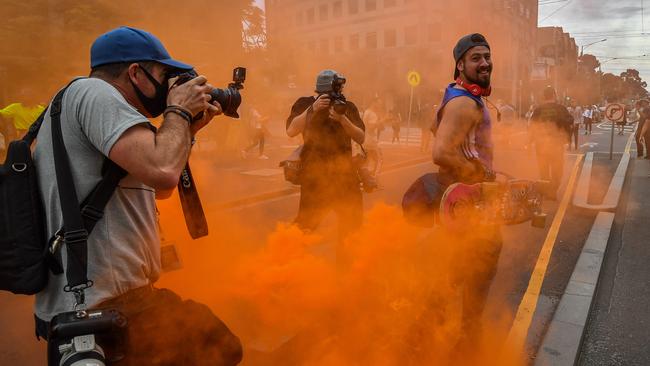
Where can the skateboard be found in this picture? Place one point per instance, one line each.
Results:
(493, 203)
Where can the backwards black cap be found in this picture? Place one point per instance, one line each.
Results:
(465, 44)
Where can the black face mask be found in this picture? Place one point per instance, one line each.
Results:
(155, 105)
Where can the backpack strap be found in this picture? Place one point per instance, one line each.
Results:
(30, 136)
(77, 223)
(75, 234)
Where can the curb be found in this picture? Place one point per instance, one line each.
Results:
(610, 202)
(563, 339)
(561, 343)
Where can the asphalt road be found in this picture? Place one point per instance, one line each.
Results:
(522, 243)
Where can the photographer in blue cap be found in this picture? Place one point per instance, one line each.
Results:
(106, 116)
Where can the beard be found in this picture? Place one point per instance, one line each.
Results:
(481, 80)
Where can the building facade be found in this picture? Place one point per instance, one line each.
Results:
(556, 62)
(375, 43)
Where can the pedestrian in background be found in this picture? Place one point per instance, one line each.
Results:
(550, 128)
(576, 112)
(587, 117)
(259, 129)
(371, 119)
(394, 120)
(643, 108)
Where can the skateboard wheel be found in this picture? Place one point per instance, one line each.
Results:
(538, 220)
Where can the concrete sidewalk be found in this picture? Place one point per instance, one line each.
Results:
(617, 329)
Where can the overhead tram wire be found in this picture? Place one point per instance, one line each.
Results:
(556, 11)
(551, 2)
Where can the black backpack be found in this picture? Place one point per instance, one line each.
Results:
(26, 255)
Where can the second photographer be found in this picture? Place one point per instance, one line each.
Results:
(328, 175)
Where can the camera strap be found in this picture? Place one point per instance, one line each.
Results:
(197, 225)
(77, 223)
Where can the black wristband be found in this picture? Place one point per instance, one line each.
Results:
(173, 109)
(182, 109)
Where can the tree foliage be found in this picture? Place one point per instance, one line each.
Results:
(254, 31)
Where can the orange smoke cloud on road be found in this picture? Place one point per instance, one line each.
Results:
(391, 298)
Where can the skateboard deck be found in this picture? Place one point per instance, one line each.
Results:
(506, 203)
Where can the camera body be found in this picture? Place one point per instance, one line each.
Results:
(337, 99)
(229, 98)
(88, 337)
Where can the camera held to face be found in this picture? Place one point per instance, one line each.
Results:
(88, 337)
(337, 99)
(229, 98)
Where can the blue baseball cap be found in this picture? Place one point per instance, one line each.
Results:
(126, 44)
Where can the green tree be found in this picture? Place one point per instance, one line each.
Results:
(633, 85)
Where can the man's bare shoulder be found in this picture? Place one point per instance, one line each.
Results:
(462, 107)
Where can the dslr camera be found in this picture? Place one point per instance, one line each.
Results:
(337, 99)
(229, 98)
(87, 337)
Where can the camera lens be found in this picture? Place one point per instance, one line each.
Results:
(229, 99)
(82, 351)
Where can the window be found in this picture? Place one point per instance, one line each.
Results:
(353, 6)
(411, 35)
(390, 38)
(371, 40)
(322, 13)
(389, 3)
(434, 32)
(310, 16)
(338, 44)
(299, 18)
(371, 5)
(354, 42)
(337, 9)
(324, 46)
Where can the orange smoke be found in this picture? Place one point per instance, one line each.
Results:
(389, 299)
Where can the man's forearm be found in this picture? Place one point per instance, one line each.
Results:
(172, 143)
(297, 125)
(356, 133)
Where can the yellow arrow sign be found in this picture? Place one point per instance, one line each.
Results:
(413, 78)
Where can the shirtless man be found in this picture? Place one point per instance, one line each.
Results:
(463, 150)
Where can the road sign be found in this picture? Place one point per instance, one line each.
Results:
(413, 78)
(615, 112)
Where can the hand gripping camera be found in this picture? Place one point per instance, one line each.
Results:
(229, 98)
(78, 335)
(337, 98)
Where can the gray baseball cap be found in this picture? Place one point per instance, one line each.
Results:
(465, 44)
(324, 81)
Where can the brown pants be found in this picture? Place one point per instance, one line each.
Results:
(166, 330)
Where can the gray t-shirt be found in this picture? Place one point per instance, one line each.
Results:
(124, 247)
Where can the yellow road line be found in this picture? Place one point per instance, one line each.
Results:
(524, 317)
(629, 143)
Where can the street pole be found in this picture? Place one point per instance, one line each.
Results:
(611, 142)
(408, 123)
